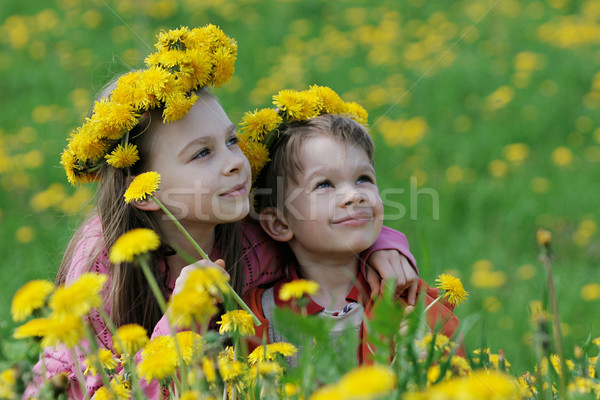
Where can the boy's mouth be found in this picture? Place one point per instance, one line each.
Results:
(238, 190)
(354, 219)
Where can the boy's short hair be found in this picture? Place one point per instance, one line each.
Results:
(284, 152)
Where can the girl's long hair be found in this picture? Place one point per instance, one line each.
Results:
(129, 296)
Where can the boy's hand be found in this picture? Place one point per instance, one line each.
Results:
(387, 264)
(185, 272)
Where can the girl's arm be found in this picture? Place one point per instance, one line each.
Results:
(390, 256)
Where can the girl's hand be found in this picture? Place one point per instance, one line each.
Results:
(390, 264)
(185, 272)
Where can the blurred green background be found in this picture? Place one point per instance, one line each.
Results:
(484, 113)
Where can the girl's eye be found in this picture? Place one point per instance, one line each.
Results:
(364, 178)
(233, 141)
(323, 184)
(202, 153)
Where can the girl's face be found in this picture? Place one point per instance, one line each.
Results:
(205, 177)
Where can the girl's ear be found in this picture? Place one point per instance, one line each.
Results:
(275, 225)
(145, 205)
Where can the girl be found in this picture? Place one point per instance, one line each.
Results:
(164, 119)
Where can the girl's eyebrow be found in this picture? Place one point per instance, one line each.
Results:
(205, 139)
(198, 141)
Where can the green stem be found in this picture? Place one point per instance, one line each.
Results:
(432, 303)
(235, 296)
(557, 329)
(94, 350)
(163, 307)
(130, 357)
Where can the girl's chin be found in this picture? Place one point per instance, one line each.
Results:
(232, 214)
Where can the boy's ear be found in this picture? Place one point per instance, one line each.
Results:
(146, 205)
(275, 225)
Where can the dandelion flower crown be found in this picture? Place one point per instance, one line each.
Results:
(186, 60)
(260, 128)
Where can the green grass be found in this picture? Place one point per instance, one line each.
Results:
(361, 54)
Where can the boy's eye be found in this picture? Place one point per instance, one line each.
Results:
(323, 184)
(364, 178)
(202, 153)
(233, 141)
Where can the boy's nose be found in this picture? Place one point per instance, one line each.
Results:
(354, 197)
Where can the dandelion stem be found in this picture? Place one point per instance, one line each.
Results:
(557, 329)
(235, 296)
(432, 303)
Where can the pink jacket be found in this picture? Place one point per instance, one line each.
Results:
(260, 267)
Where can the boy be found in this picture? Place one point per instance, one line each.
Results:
(318, 195)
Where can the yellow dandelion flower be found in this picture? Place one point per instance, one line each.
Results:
(460, 365)
(8, 380)
(34, 328)
(86, 146)
(270, 352)
(298, 106)
(223, 66)
(368, 381)
(121, 388)
(229, 370)
(78, 297)
(105, 358)
(190, 306)
(155, 81)
(264, 368)
(132, 244)
(256, 153)
(123, 157)
(441, 341)
(119, 117)
(481, 385)
(452, 288)
(190, 395)
(596, 341)
(208, 368)
(357, 113)
(327, 392)
(29, 298)
(238, 321)
(172, 39)
(142, 186)
(256, 124)
(329, 101)
(177, 106)
(130, 338)
(189, 344)
(128, 90)
(201, 63)
(159, 359)
(544, 237)
(64, 329)
(103, 394)
(211, 280)
(297, 289)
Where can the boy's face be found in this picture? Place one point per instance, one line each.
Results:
(335, 207)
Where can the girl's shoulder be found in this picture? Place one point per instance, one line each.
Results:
(89, 252)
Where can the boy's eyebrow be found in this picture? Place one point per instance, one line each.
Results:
(320, 170)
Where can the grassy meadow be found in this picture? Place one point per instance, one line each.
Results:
(484, 113)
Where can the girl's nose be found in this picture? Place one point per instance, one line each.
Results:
(234, 163)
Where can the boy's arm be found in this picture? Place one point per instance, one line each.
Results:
(390, 258)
